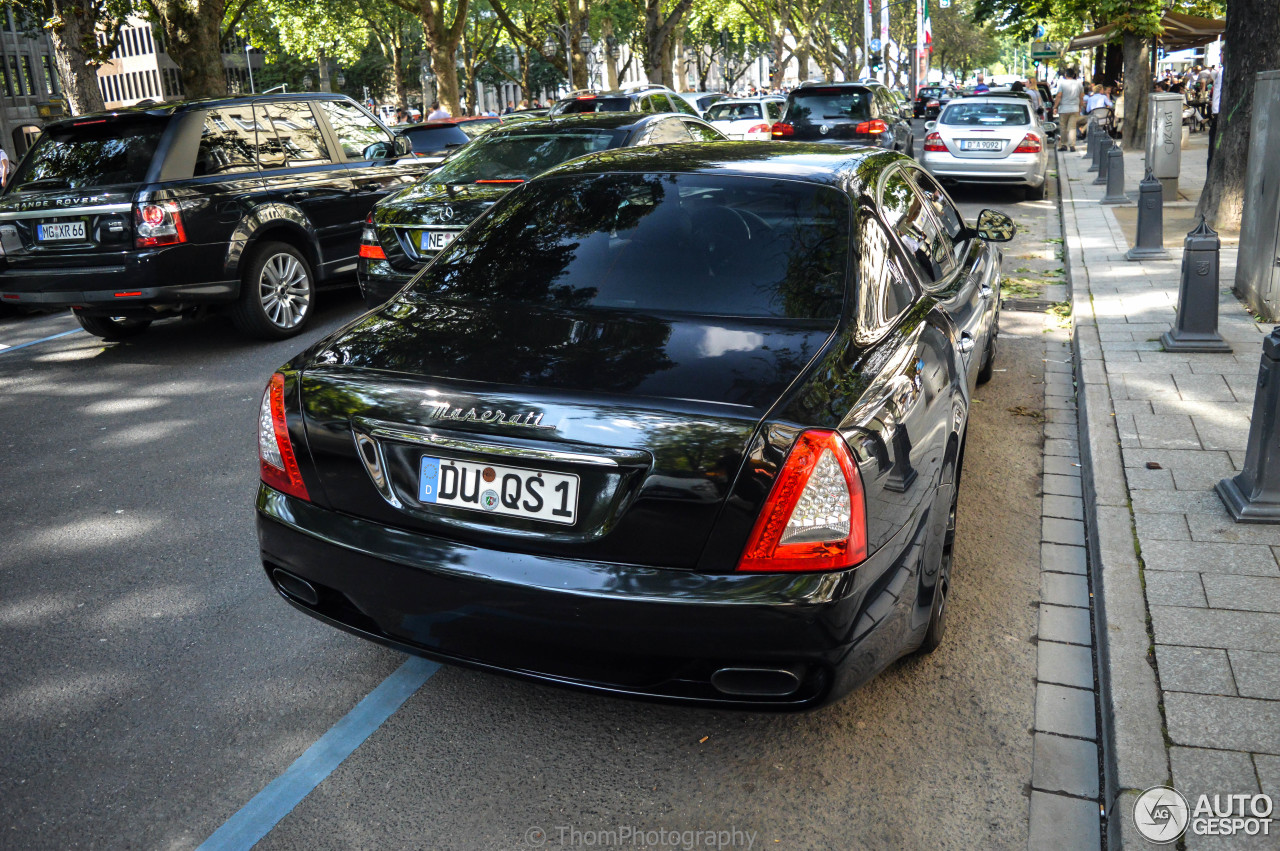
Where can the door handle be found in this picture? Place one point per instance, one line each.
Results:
(966, 343)
(985, 291)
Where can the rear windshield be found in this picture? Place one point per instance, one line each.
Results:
(733, 111)
(829, 105)
(930, 93)
(986, 114)
(713, 245)
(95, 152)
(436, 138)
(518, 156)
(565, 107)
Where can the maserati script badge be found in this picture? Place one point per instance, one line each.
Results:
(443, 411)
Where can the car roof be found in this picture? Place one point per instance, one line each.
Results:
(847, 168)
(449, 122)
(582, 121)
(993, 97)
(177, 107)
(748, 99)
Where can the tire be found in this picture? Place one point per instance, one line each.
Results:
(938, 609)
(1034, 193)
(277, 293)
(111, 328)
(989, 362)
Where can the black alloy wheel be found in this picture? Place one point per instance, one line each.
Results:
(942, 585)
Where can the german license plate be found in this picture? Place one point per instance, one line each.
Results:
(981, 144)
(60, 231)
(515, 492)
(436, 240)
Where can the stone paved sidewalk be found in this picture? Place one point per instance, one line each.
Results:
(1189, 629)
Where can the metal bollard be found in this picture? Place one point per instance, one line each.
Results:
(1097, 150)
(1253, 496)
(1091, 140)
(1150, 242)
(1104, 164)
(1196, 327)
(1115, 177)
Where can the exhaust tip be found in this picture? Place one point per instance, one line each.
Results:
(295, 587)
(756, 682)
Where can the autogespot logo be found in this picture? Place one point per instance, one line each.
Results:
(1161, 814)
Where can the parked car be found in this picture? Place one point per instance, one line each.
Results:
(434, 140)
(989, 139)
(702, 101)
(676, 422)
(409, 228)
(845, 113)
(643, 98)
(247, 204)
(746, 118)
(930, 100)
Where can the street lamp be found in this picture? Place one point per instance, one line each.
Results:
(341, 79)
(552, 43)
(306, 82)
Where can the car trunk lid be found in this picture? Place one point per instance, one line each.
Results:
(650, 417)
(416, 224)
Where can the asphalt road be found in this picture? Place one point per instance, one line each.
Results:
(152, 682)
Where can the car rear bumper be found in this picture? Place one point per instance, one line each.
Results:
(379, 281)
(1015, 168)
(128, 279)
(622, 629)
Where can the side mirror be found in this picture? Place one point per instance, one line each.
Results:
(1051, 127)
(995, 226)
(379, 151)
(404, 147)
(929, 125)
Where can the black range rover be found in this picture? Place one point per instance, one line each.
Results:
(248, 204)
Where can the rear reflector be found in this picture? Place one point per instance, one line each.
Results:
(279, 466)
(133, 294)
(815, 516)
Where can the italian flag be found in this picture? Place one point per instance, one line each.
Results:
(928, 27)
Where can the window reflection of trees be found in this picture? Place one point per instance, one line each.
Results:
(100, 155)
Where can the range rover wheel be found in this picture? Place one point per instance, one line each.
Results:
(276, 293)
(111, 328)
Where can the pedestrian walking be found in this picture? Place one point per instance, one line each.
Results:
(437, 112)
(5, 167)
(1067, 104)
(1215, 102)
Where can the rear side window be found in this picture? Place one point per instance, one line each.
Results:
(733, 112)
(702, 133)
(829, 104)
(431, 139)
(986, 114)
(911, 217)
(773, 109)
(228, 142)
(760, 247)
(94, 152)
(666, 133)
(594, 105)
(519, 156)
(682, 105)
(884, 290)
(356, 130)
(289, 135)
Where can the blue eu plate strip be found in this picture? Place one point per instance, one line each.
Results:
(256, 818)
(429, 480)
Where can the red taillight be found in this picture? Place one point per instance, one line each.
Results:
(1030, 144)
(158, 224)
(759, 128)
(586, 97)
(503, 180)
(782, 129)
(816, 515)
(370, 248)
(278, 464)
(934, 103)
(933, 143)
(874, 126)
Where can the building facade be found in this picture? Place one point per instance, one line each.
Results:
(30, 93)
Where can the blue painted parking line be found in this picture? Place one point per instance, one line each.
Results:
(256, 818)
(4, 348)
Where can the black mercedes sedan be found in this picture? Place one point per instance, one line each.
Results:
(678, 422)
(407, 229)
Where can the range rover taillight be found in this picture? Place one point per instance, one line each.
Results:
(158, 224)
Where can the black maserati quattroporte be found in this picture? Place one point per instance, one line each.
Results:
(681, 422)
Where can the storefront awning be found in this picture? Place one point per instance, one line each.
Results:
(1180, 32)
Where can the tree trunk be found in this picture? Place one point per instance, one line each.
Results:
(610, 61)
(682, 69)
(1251, 44)
(657, 38)
(802, 64)
(193, 40)
(1113, 65)
(441, 38)
(1137, 85)
(398, 79)
(322, 64)
(79, 74)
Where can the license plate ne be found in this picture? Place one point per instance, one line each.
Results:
(436, 240)
(981, 144)
(60, 231)
(513, 491)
